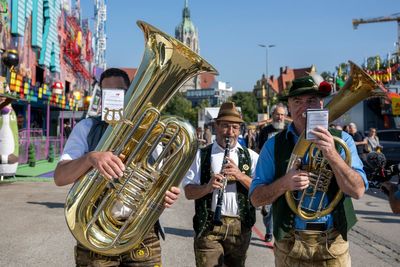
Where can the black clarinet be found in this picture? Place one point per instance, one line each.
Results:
(217, 213)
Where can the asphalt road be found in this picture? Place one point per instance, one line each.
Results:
(33, 230)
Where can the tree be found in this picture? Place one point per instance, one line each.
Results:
(51, 153)
(248, 103)
(203, 104)
(180, 106)
(31, 155)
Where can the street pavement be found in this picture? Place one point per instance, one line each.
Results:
(34, 233)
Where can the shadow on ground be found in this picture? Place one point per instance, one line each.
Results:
(50, 205)
(179, 232)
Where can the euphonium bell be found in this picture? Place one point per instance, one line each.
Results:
(358, 87)
(93, 202)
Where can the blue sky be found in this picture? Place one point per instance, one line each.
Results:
(305, 32)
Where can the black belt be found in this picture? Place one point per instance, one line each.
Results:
(316, 226)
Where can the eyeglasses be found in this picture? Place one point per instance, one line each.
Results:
(309, 101)
(226, 126)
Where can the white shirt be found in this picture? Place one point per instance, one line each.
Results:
(77, 145)
(229, 202)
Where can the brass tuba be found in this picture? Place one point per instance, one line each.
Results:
(358, 87)
(91, 204)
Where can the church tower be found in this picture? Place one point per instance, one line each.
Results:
(188, 34)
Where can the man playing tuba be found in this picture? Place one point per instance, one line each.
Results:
(79, 156)
(322, 240)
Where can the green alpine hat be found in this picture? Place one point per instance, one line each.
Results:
(307, 86)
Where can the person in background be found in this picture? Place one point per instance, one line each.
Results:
(251, 138)
(199, 135)
(279, 113)
(312, 242)
(227, 244)
(207, 135)
(394, 194)
(373, 141)
(338, 127)
(79, 156)
(67, 128)
(359, 140)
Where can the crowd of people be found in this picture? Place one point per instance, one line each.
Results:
(233, 175)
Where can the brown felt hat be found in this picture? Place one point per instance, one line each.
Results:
(229, 112)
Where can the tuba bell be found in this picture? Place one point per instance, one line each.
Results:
(358, 87)
(91, 203)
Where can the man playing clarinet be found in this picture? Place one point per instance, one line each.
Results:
(218, 181)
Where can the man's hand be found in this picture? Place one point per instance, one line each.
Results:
(231, 169)
(349, 180)
(171, 196)
(390, 187)
(325, 142)
(216, 182)
(196, 191)
(109, 165)
(393, 200)
(268, 193)
(296, 180)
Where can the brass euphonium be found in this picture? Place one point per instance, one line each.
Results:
(92, 201)
(358, 87)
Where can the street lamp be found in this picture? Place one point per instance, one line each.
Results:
(266, 46)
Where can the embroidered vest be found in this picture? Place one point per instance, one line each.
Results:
(283, 218)
(203, 216)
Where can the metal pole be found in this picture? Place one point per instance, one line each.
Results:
(28, 128)
(266, 74)
(48, 128)
(398, 41)
(62, 132)
(266, 46)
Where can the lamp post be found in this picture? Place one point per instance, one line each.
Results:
(266, 46)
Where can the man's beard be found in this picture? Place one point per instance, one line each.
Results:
(278, 125)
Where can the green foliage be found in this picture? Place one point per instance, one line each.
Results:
(180, 106)
(51, 153)
(31, 155)
(204, 104)
(248, 102)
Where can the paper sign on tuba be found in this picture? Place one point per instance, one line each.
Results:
(112, 105)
